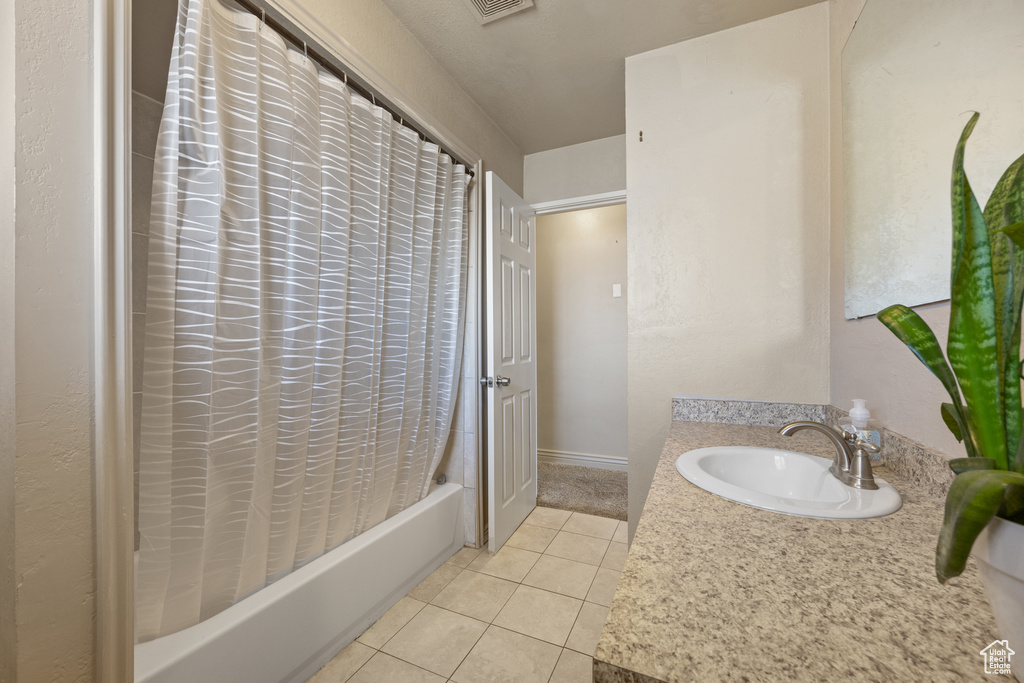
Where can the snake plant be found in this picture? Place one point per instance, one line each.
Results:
(983, 373)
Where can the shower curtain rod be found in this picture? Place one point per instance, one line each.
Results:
(294, 35)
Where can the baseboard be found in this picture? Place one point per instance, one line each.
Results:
(604, 462)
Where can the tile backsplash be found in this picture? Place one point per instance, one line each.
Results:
(729, 411)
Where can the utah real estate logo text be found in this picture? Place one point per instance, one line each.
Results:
(997, 657)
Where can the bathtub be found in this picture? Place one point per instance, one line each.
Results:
(291, 628)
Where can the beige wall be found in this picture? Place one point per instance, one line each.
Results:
(727, 208)
(867, 361)
(909, 87)
(153, 24)
(581, 332)
(581, 170)
(8, 590)
(53, 353)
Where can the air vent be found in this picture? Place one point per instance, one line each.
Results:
(487, 11)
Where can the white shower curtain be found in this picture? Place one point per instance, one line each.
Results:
(307, 278)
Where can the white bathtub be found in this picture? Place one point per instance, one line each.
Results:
(291, 628)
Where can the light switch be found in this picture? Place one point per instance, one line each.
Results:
(616, 291)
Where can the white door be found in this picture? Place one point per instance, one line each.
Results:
(511, 368)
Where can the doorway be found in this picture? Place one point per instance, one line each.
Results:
(581, 351)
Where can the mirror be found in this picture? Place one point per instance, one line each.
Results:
(913, 71)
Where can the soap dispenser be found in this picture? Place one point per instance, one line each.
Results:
(859, 422)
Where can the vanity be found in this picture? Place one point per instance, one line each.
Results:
(713, 590)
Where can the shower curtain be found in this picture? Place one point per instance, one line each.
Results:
(305, 306)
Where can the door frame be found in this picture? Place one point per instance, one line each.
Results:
(114, 645)
(590, 201)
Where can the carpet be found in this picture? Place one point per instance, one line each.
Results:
(590, 490)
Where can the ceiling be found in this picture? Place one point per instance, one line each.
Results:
(555, 74)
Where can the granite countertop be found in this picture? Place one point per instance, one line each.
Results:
(713, 590)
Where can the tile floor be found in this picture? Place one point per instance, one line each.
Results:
(532, 612)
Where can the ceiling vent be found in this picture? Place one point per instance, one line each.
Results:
(487, 11)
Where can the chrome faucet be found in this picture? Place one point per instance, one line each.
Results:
(852, 462)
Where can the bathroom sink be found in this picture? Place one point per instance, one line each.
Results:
(783, 481)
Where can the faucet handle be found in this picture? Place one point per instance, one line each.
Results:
(860, 468)
(867, 446)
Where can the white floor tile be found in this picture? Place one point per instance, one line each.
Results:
(615, 557)
(436, 640)
(464, 557)
(502, 656)
(383, 668)
(585, 549)
(559, 575)
(573, 667)
(533, 538)
(475, 595)
(587, 629)
(549, 517)
(511, 564)
(429, 587)
(346, 663)
(603, 589)
(539, 614)
(591, 525)
(391, 623)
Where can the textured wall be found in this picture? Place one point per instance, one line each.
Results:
(867, 361)
(53, 328)
(579, 170)
(727, 210)
(581, 332)
(8, 656)
(370, 28)
(909, 87)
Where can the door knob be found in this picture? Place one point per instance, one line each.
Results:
(502, 381)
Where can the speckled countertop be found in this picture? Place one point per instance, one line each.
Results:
(717, 591)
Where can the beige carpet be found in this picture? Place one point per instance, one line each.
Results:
(582, 489)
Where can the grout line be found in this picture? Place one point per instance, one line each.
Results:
(489, 624)
(470, 650)
(359, 668)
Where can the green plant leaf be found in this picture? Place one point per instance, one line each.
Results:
(910, 329)
(958, 197)
(960, 465)
(951, 416)
(973, 341)
(1004, 216)
(1015, 232)
(972, 501)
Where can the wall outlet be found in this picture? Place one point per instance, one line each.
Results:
(616, 291)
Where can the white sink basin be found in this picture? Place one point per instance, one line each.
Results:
(783, 481)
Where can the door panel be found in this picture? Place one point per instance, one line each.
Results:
(511, 339)
(508, 445)
(526, 402)
(508, 310)
(526, 300)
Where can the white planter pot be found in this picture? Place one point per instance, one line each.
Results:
(999, 552)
